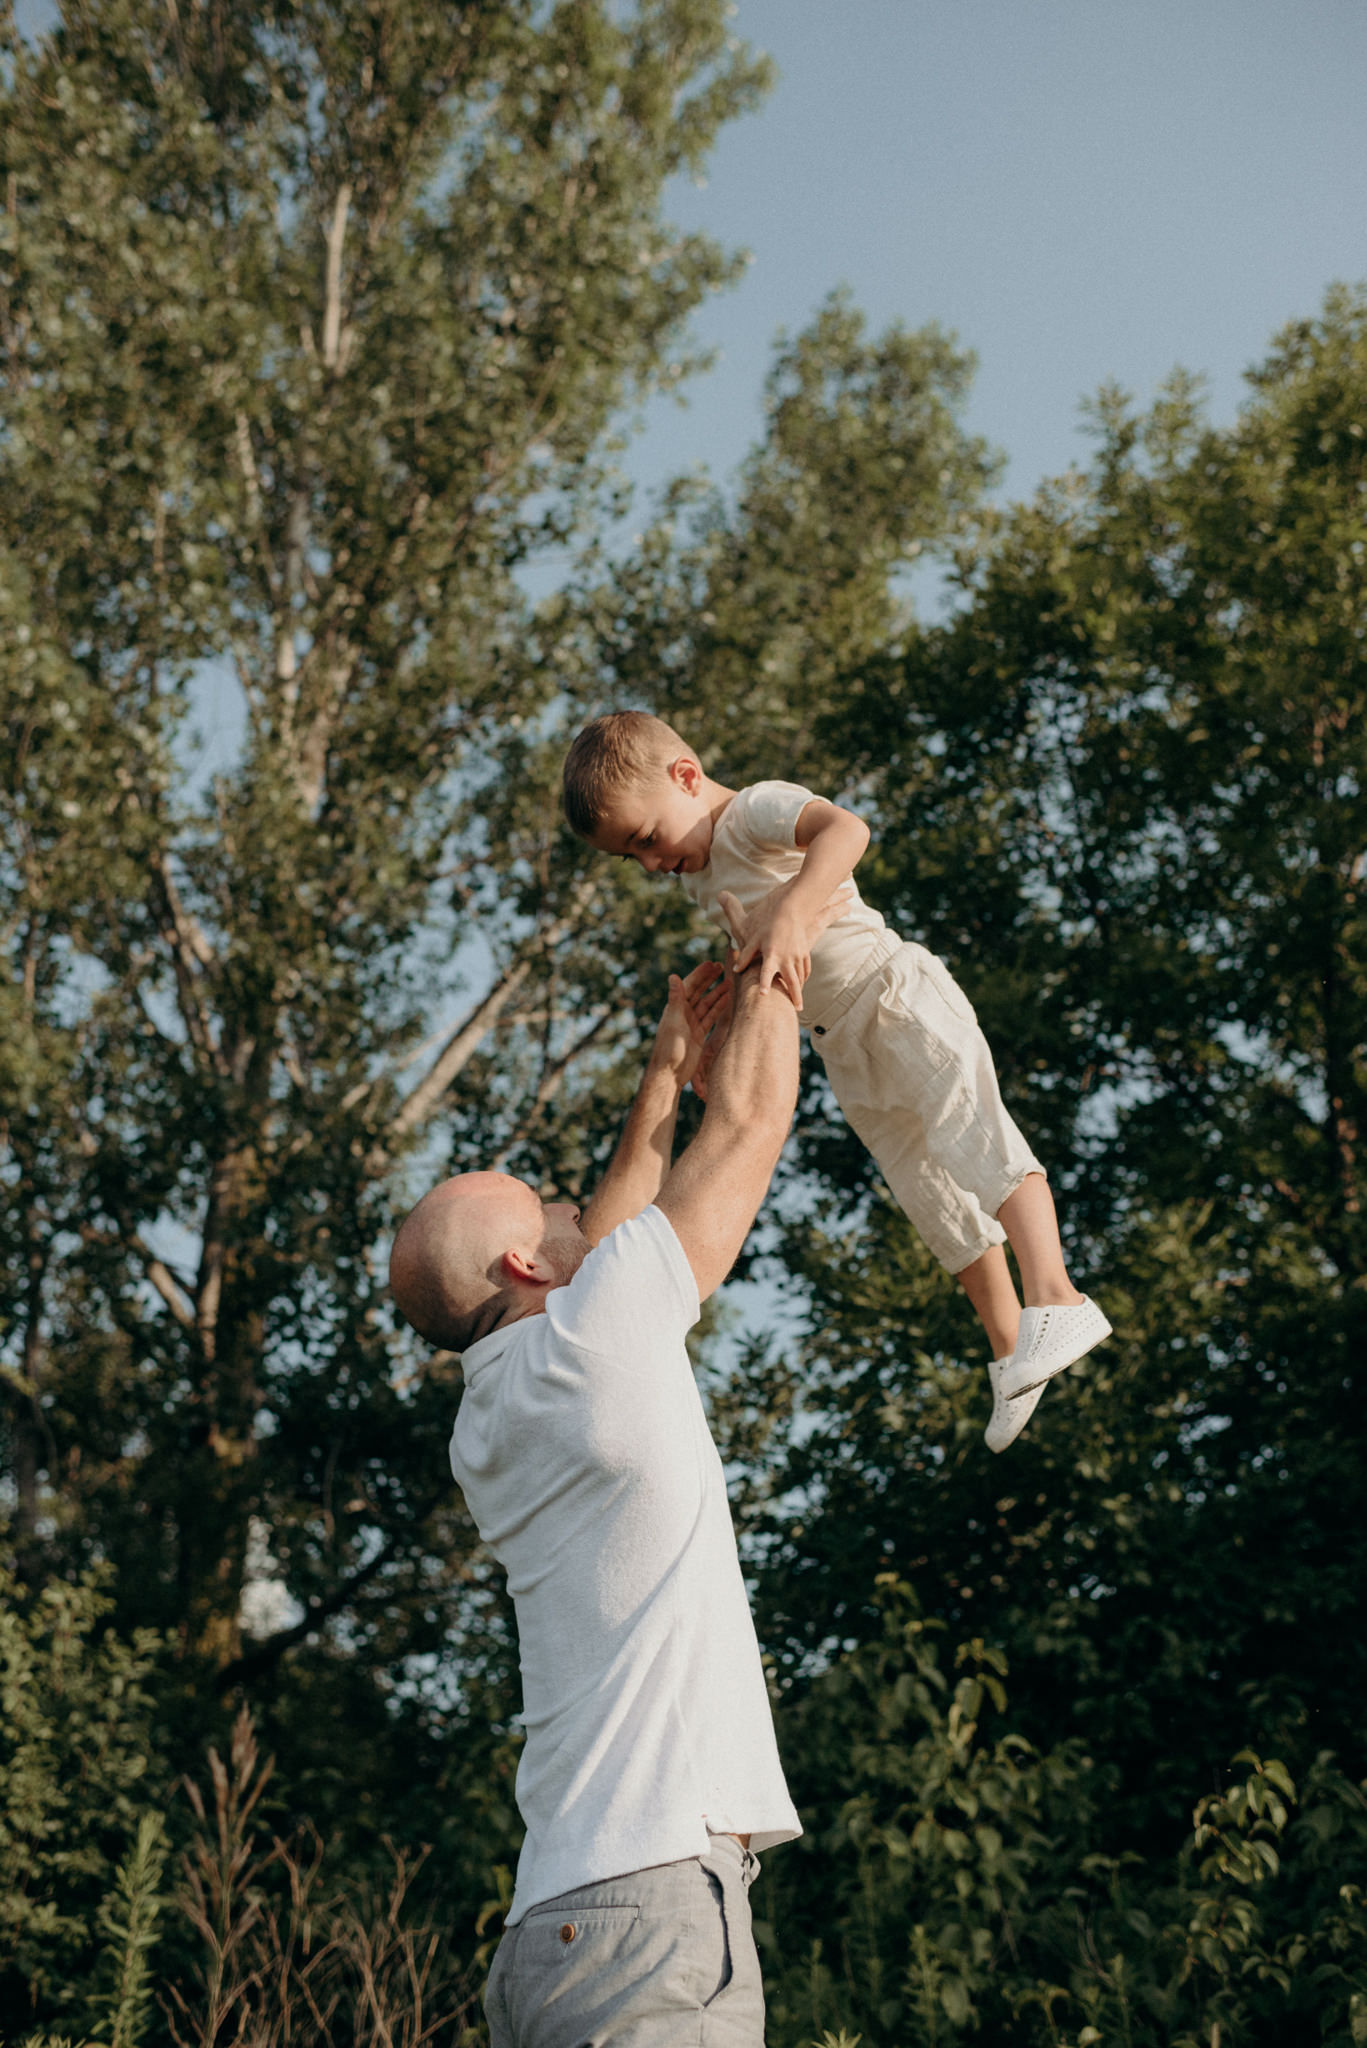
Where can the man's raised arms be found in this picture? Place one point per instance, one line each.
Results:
(712, 1195)
(699, 1004)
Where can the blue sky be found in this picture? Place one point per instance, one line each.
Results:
(1084, 190)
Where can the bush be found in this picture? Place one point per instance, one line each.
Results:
(77, 1778)
(956, 1881)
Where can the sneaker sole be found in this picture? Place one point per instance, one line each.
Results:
(1008, 1418)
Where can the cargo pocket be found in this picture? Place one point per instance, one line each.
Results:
(928, 1041)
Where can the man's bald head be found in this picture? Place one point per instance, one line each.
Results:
(476, 1250)
(446, 1269)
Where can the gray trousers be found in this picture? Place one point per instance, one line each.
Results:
(661, 1958)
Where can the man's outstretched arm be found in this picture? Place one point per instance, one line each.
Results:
(713, 1194)
(697, 1005)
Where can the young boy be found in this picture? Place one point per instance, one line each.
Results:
(897, 1036)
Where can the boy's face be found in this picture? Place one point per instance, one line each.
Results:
(663, 821)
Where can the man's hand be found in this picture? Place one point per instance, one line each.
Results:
(697, 1013)
(777, 935)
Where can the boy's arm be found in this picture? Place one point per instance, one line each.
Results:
(697, 1005)
(783, 927)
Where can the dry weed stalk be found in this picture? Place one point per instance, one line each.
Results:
(396, 1965)
(220, 1896)
(289, 1965)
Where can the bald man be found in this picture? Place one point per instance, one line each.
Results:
(650, 1777)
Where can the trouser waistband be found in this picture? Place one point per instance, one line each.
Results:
(887, 944)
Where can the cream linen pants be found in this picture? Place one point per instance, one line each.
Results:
(912, 1072)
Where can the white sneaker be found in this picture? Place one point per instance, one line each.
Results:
(1050, 1340)
(1008, 1417)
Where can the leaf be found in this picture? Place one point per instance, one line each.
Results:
(955, 2000)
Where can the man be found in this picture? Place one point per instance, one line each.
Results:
(650, 1775)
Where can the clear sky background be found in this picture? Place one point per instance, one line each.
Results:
(1083, 190)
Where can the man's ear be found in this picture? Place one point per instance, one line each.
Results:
(686, 773)
(526, 1268)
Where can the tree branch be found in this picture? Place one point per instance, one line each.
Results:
(553, 1073)
(190, 950)
(168, 1287)
(464, 1041)
(334, 342)
(156, 1270)
(263, 1657)
(457, 1052)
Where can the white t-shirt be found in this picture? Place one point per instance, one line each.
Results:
(583, 1452)
(753, 850)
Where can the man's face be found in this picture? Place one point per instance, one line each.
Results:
(563, 1244)
(663, 821)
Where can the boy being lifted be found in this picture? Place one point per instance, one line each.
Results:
(901, 1046)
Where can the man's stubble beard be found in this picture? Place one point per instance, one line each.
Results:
(565, 1256)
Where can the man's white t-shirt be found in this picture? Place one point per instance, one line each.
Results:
(753, 850)
(586, 1460)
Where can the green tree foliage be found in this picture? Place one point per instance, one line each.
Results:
(1124, 796)
(317, 329)
(313, 324)
(380, 287)
(756, 621)
(954, 1881)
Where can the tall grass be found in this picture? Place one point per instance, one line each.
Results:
(289, 1960)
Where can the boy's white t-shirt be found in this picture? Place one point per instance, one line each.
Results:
(586, 1460)
(753, 850)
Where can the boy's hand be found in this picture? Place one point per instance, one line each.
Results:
(699, 1007)
(780, 938)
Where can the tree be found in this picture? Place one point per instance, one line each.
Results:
(955, 1882)
(317, 326)
(314, 325)
(1123, 794)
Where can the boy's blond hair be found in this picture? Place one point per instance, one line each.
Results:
(608, 756)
